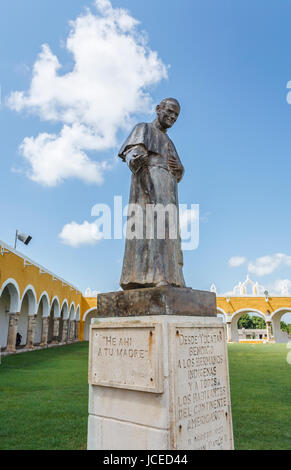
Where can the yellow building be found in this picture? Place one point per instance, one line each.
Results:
(89, 311)
(247, 297)
(250, 297)
(38, 305)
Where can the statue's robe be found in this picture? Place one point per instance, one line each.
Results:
(152, 262)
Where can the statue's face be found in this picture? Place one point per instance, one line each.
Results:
(168, 113)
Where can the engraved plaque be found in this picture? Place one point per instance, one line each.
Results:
(126, 356)
(200, 389)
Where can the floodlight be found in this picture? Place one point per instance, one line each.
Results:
(26, 239)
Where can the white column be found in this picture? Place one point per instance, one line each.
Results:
(56, 330)
(30, 332)
(229, 328)
(44, 336)
(65, 331)
(12, 332)
(77, 330)
(269, 330)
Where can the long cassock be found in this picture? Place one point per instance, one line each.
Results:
(152, 262)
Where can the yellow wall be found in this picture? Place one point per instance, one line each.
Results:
(12, 266)
(25, 272)
(253, 303)
(87, 304)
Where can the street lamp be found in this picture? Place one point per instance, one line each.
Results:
(22, 237)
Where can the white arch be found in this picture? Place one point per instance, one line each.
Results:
(32, 299)
(282, 310)
(45, 305)
(14, 292)
(72, 324)
(5, 301)
(56, 306)
(235, 318)
(78, 313)
(65, 306)
(87, 313)
(87, 321)
(279, 335)
(220, 311)
(248, 310)
(43, 311)
(72, 311)
(28, 308)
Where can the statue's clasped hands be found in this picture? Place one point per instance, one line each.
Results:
(136, 159)
(174, 167)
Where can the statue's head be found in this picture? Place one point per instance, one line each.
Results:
(168, 112)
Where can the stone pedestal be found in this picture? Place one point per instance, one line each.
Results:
(158, 381)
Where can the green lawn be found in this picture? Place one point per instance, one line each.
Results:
(260, 382)
(44, 398)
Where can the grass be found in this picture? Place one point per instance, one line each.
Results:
(44, 398)
(260, 382)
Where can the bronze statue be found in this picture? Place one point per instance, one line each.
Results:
(156, 171)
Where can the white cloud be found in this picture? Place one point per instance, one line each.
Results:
(89, 233)
(262, 266)
(280, 287)
(236, 261)
(268, 264)
(74, 234)
(54, 158)
(91, 293)
(113, 69)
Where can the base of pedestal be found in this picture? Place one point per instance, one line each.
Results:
(159, 383)
(157, 301)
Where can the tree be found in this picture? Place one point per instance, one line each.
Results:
(245, 322)
(251, 323)
(259, 323)
(285, 327)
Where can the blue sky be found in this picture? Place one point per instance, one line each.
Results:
(227, 62)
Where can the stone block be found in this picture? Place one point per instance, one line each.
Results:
(157, 301)
(191, 410)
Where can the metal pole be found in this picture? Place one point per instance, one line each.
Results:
(16, 236)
